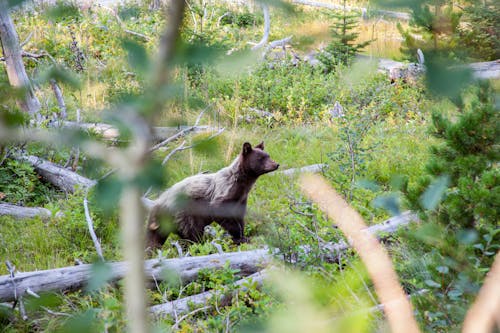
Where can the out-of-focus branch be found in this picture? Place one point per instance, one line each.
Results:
(485, 311)
(397, 307)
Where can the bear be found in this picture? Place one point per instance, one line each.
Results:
(221, 197)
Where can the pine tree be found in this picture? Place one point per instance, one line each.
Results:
(342, 48)
(469, 156)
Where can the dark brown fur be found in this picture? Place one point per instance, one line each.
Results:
(220, 197)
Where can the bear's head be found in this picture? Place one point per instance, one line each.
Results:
(255, 161)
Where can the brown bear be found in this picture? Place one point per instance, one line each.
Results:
(220, 197)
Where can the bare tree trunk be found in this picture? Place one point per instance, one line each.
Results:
(267, 28)
(14, 62)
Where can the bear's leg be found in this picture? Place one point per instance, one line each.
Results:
(235, 227)
(191, 227)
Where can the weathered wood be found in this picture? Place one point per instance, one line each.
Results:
(74, 277)
(20, 212)
(187, 268)
(109, 132)
(64, 179)
(308, 168)
(486, 70)
(185, 305)
(14, 62)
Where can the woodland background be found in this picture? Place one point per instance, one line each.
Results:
(394, 103)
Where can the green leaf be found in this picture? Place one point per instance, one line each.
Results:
(59, 74)
(389, 202)
(100, 274)
(137, 56)
(434, 193)
(48, 300)
(368, 184)
(63, 11)
(107, 193)
(432, 283)
(81, 323)
(443, 269)
(455, 293)
(467, 236)
(205, 144)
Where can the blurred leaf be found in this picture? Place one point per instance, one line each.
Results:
(389, 202)
(59, 74)
(62, 11)
(434, 193)
(14, 3)
(467, 236)
(197, 53)
(48, 300)
(107, 193)
(13, 118)
(399, 182)
(171, 278)
(368, 184)
(447, 78)
(432, 283)
(137, 56)
(81, 323)
(237, 62)
(284, 5)
(100, 274)
(455, 293)
(152, 175)
(443, 269)
(204, 144)
(430, 233)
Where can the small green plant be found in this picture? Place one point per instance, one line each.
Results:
(343, 47)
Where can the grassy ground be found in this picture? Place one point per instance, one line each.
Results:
(387, 123)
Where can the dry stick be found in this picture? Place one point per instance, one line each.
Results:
(183, 305)
(123, 26)
(59, 98)
(481, 316)
(267, 27)
(397, 307)
(90, 225)
(180, 134)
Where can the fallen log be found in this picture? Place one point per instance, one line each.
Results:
(60, 177)
(20, 212)
(74, 277)
(313, 168)
(187, 268)
(109, 132)
(187, 304)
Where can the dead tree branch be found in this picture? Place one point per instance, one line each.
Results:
(267, 27)
(186, 304)
(90, 225)
(19, 212)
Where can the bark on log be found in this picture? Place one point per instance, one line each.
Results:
(308, 168)
(109, 132)
(14, 61)
(64, 179)
(20, 212)
(248, 262)
(74, 277)
(185, 305)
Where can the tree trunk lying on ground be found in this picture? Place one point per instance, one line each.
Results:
(60, 177)
(187, 268)
(186, 304)
(248, 262)
(109, 132)
(20, 212)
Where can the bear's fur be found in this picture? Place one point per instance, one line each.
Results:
(219, 197)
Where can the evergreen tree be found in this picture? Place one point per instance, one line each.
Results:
(469, 156)
(343, 47)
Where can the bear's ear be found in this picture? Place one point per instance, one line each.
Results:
(260, 145)
(247, 149)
